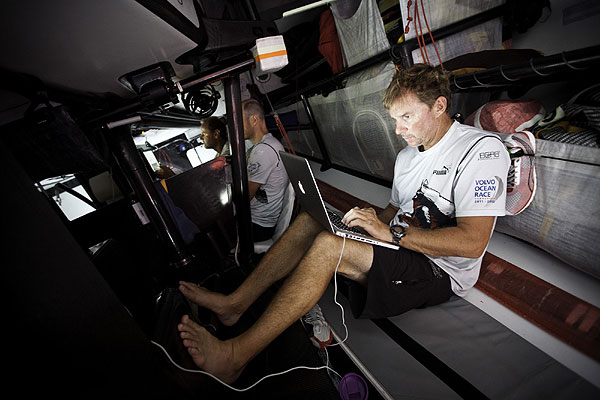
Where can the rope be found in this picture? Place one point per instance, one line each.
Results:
(418, 26)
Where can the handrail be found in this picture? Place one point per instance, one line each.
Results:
(575, 61)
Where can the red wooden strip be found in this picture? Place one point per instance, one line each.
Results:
(565, 316)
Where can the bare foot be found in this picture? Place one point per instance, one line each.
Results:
(227, 312)
(209, 353)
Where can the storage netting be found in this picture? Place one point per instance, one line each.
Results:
(441, 13)
(357, 130)
(299, 131)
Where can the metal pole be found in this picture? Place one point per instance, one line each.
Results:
(235, 69)
(326, 160)
(239, 172)
(132, 165)
(158, 97)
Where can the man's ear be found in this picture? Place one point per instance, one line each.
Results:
(440, 105)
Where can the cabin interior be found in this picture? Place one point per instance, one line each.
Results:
(97, 98)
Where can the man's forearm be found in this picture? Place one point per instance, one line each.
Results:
(468, 239)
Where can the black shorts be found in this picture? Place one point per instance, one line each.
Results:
(260, 233)
(399, 280)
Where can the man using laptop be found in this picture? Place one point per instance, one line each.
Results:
(449, 186)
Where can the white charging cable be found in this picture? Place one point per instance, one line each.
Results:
(198, 371)
(335, 290)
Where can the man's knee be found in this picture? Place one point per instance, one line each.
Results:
(328, 242)
(357, 256)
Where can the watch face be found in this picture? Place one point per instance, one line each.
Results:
(399, 229)
(398, 232)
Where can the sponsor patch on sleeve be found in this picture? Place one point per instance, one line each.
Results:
(253, 168)
(487, 191)
(489, 155)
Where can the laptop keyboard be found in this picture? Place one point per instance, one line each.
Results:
(336, 220)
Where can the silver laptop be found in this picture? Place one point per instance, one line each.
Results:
(307, 192)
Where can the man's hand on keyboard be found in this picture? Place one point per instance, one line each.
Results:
(367, 219)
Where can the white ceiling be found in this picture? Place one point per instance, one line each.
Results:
(66, 43)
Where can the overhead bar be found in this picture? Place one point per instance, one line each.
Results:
(544, 66)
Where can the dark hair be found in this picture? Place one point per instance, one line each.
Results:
(423, 80)
(214, 123)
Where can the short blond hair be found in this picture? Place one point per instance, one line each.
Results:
(253, 107)
(423, 80)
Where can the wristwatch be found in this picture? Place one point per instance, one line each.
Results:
(398, 232)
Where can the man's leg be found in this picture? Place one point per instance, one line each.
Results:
(281, 258)
(300, 291)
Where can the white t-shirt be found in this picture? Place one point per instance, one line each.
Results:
(226, 151)
(462, 175)
(266, 168)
